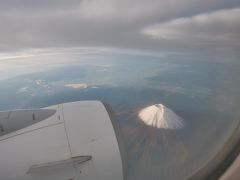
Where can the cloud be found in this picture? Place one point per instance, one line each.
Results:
(222, 25)
(42, 83)
(104, 65)
(34, 24)
(136, 10)
(23, 90)
(77, 86)
(35, 88)
(36, 60)
(35, 5)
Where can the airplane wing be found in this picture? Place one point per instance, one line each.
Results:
(72, 141)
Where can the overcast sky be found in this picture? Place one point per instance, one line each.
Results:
(203, 28)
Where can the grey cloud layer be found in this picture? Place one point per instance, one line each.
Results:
(43, 5)
(219, 25)
(119, 23)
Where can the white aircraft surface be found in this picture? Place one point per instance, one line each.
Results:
(71, 141)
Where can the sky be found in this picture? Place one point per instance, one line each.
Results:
(206, 29)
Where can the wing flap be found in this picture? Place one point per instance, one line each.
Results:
(58, 164)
